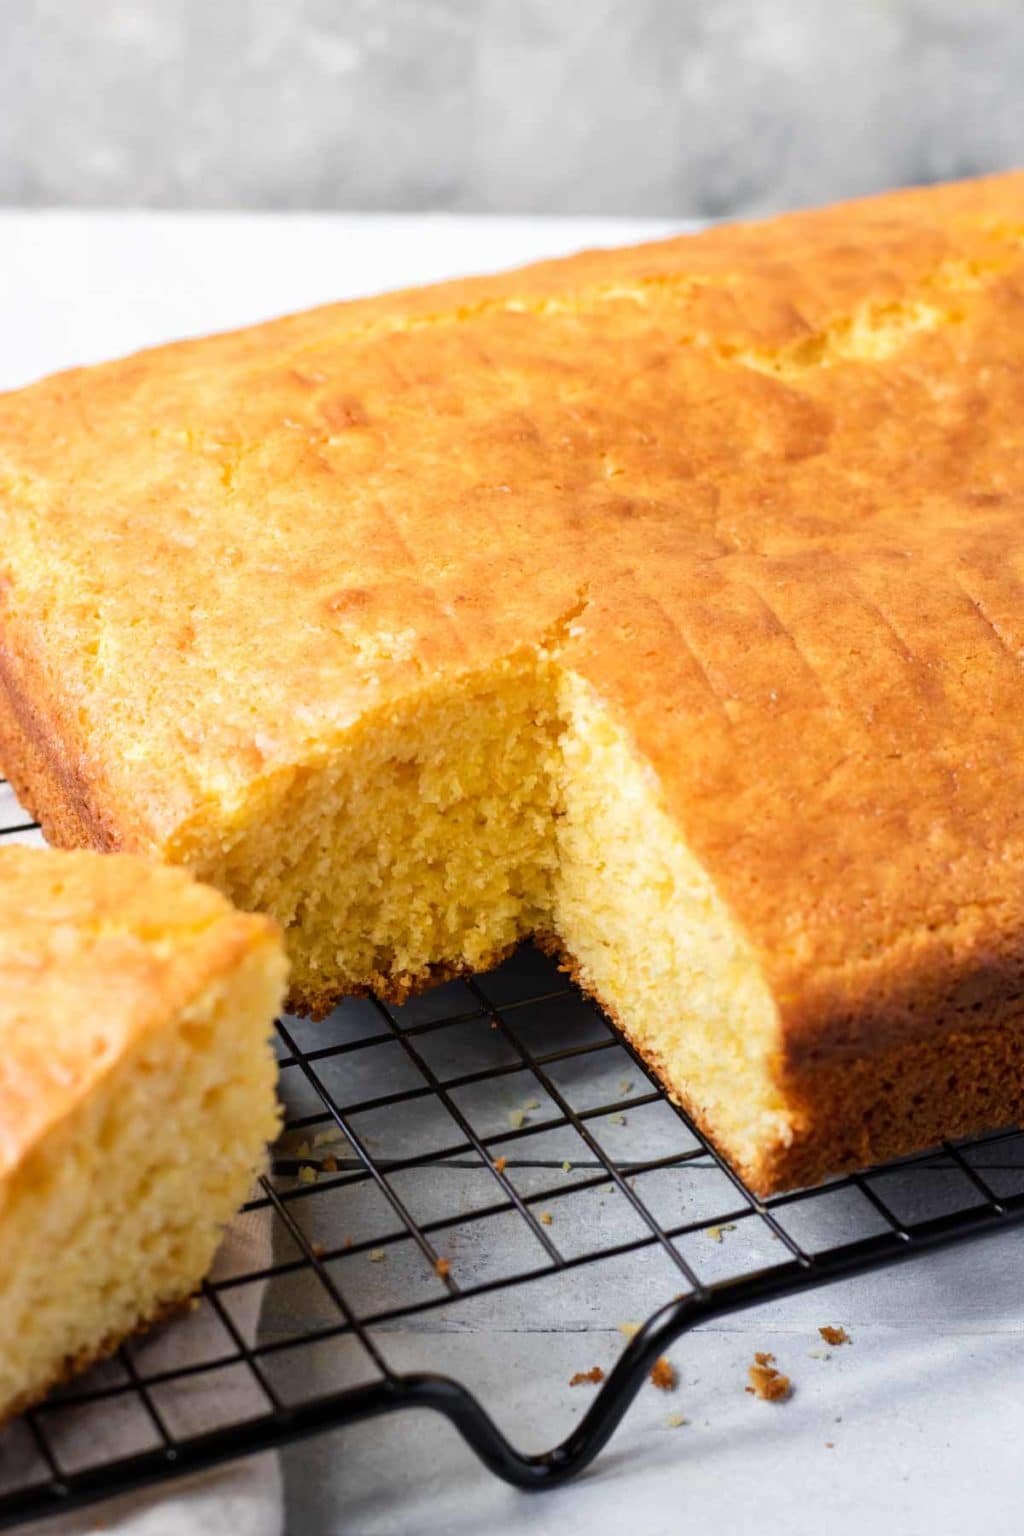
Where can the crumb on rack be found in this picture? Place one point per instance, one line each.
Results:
(835, 1335)
(587, 1378)
(567, 1166)
(630, 1329)
(443, 1267)
(501, 1163)
(376, 1255)
(516, 1119)
(307, 1175)
(546, 1218)
(675, 1421)
(663, 1375)
(318, 1250)
(329, 1164)
(625, 1086)
(716, 1233)
(766, 1382)
(617, 1119)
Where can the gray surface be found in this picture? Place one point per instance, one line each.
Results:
(664, 107)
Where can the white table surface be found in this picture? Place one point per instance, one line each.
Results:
(924, 1410)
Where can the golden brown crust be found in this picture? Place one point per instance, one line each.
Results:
(884, 1104)
(779, 465)
(94, 953)
(31, 760)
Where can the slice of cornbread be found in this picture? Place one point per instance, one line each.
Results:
(665, 603)
(136, 1098)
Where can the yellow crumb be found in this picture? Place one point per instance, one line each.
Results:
(663, 1375)
(766, 1382)
(585, 1378)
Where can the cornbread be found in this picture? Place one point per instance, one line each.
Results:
(666, 604)
(766, 1381)
(136, 1096)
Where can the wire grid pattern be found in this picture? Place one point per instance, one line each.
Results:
(495, 1131)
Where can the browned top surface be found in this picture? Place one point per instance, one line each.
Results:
(94, 952)
(780, 465)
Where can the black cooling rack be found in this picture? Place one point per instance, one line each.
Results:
(460, 1145)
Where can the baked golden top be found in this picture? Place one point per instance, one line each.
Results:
(93, 953)
(766, 482)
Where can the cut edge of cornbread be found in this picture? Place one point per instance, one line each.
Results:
(507, 805)
(642, 928)
(510, 803)
(420, 848)
(112, 1214)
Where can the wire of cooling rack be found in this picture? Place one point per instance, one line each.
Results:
(461, 1146)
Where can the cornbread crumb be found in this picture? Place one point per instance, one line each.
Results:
(715, 1233)
(376, 1255)
(546, 1218)
(818, 1354)
(675, 1421)
(567, 1166)
(617, 1119)
(585, 1378)
(501, 1163)
(307, 1175)
(443, 1267)
(630, 1329)
(835, 1336)
(663, 1375)
(318, 1250)
(766, 1382)
(625, 1086)
(516, 1119)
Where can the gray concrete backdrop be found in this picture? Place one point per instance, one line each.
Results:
(670, 107)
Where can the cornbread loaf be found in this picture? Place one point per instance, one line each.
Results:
(136, 1097)
(665, 603)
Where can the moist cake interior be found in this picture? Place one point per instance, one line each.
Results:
(507, 805)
